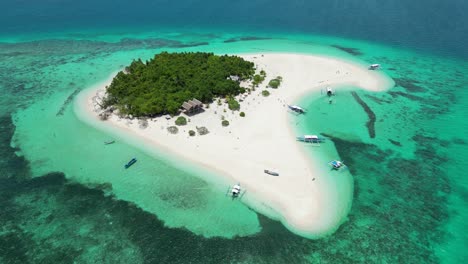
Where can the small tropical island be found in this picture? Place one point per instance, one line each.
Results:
(229, 115)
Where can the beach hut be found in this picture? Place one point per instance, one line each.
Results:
(192, 106)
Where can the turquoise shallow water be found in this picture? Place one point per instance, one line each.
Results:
(410, 197)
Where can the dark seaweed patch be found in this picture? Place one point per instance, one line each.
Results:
(394, 142)
(370, 124)
(91, 47)
(352, 51)
(67, 102)
(248, 38)
(378, 100)
(191, 44)
(459, 141)
(230, 40)
(410, 85)
(409, 96)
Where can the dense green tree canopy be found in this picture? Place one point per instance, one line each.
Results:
(162, 84)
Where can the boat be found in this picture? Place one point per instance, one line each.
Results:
(330, 92)
(130, 163)
(109, 142)
(235, 191)
(297, 109)
(336, 164)
(311, 139)
(374, 67)
(272, 173)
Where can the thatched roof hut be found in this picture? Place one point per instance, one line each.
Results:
(192, 106)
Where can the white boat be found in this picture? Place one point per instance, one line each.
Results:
(374, 67)
(330, 91)
(297, 109)
(336, 164)
(311, 139)
(235, 191)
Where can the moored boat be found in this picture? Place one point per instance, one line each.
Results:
(311, 139)
(297, 109)
(374, 67)
(109, 142)
(235, 191)
(336, 164)
(130, 163)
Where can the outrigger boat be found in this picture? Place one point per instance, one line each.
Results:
(336, 164)
(272, 173)
(130, 163)
(311, 139)
(235, 191)
(297, 109)
(374, 67)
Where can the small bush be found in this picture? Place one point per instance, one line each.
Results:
(274, 83)
(257, 79)
(225, 123)
(173, 129)
(202, 131)
(242, 114)
(242, 90)
(181, 121)
(233, 104)
(265, 93)
(191, 133)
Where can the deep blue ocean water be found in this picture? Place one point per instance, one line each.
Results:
(415, 214)
(435, 26)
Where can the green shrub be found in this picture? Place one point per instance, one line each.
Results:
(257, 79)
(242, 90)
(265, 93)
(274, 83)
(181, 121)
(225, 123)
(191, 133)
(233, 104)
(242, 114)
(160, 85)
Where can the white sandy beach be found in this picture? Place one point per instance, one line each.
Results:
(307, 197)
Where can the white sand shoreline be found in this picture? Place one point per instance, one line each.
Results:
(264, 139)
